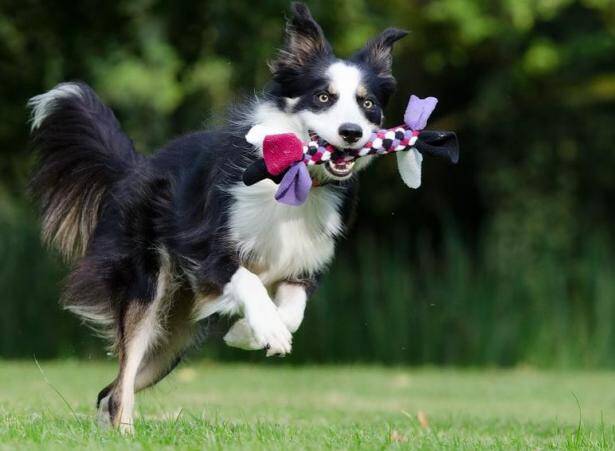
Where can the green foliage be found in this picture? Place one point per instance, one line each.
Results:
(380, 304)
(529, 86)
(31, 321)
(508, 304)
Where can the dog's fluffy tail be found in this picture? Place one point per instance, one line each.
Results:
(82, 153)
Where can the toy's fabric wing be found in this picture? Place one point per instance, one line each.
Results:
(409, 165)
(295, 185)
(418, 112)
(439, 143)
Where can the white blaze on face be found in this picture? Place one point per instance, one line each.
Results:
(346, 84)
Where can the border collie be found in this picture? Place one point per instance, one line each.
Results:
(160, 243)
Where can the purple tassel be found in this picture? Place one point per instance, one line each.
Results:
(418, 112)
(295, 185)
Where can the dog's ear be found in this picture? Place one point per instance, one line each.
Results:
(303, 41)
(377, 51)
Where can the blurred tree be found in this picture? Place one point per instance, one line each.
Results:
(528, 84)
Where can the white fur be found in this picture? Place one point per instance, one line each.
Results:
(241, 336)
(224, 305)
(280, 241)
(290, 299)
(135, 352)
(247, 291)
(345, 83)
(270, 120)
(144, 338)
(261, 327)
(94, 315)
(42, 105)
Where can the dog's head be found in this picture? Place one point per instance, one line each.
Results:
(340, 100)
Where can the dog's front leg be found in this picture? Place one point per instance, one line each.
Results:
(262, 325)
(290, 299)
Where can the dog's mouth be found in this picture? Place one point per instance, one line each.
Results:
(339, 169)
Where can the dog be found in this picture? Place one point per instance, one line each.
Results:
(160, 243)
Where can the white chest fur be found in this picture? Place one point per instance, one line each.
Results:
(282, 241)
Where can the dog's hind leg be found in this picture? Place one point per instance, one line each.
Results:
(180, 334)
(139, 331)
(159, 361)
(102, 404)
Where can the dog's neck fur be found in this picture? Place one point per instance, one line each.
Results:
(277, 241)
(276, 120)
(282, 242)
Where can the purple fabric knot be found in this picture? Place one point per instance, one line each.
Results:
(418, 112)
(295, 185)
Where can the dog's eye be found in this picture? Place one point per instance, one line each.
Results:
(323, 97)
(368, 104)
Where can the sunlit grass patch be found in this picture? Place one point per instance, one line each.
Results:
(213, 406)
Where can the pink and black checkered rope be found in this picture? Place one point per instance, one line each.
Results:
(382, 142)
(285, 157)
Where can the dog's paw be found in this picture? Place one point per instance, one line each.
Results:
(103, 416)
(127, 428)
(270, 332)
(240, 336)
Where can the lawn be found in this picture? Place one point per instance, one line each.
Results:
(266, 406)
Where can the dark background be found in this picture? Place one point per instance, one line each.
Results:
(506, 259)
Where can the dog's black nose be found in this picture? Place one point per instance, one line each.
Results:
(351, 133)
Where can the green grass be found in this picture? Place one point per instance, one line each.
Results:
(215, 406)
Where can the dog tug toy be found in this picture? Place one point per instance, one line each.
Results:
(286, 158)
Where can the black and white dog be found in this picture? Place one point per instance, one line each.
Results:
(162, 242)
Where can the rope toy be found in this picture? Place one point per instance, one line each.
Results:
(286, 158)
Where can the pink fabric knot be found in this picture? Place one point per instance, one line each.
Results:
(281, 151)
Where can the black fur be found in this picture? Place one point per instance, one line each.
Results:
(177, 199)
(376, 61)
(82, 153)
(121, 214)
